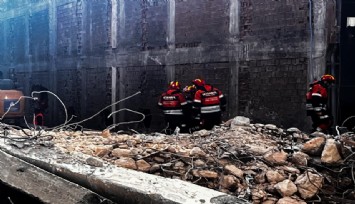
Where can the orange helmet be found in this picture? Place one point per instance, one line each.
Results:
(198, 82)
(189, 89)
(329, 78)
(174, 85)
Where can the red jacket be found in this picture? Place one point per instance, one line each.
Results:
(317, 99)
(172, 102)
(38, 119)
(319, 96)
(209, 99)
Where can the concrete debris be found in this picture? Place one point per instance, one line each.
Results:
(199, 163)
(318, 134)
(270, 200)
(201, 133)
(205, 174)
(231, 169)
(94, 162)
(314, 146)
(259, 178)
(308, 184)
(270, 127)
(293, 130)
(274, 176)
(288, 200)
(197, 152)
(128, 163)
(286, 188)
(258, 195)
(330, 154)
(277, 158)
(256, 162)
(229, 182)
(106, 133)
(240, 121)
(142, 165)
(300, 159)
(118, 152)
(290, 169)
(39, 186)
(102, 151)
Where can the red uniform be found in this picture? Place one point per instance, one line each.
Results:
(316, 104)
(173, 104)
(38, 119)
(210, 101)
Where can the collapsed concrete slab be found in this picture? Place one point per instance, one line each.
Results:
(117, 184)
(43, 186)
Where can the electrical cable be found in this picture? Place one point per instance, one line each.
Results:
(347, 120)
(127, 122)
(96, 114)
(37, 130)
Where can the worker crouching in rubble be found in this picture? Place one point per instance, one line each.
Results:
(316, 104)
(174, 106)
(208, 102)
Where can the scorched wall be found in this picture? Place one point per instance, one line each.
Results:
(93, 52)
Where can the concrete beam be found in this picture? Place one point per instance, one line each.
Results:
(40, 184)
(118, 184)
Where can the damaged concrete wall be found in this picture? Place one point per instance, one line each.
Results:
(273, 65)
(255, 51)
(159, 41)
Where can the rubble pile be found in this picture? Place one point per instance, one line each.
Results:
(261, 163)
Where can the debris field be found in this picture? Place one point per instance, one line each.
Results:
(257, 162)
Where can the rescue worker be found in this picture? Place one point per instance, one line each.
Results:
(40, 105)
(189, 93)
(38, 118)
(316, 103)
(209, 103)
(174, 104)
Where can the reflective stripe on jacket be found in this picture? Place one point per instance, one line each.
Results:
(208, 99)
(172, 102)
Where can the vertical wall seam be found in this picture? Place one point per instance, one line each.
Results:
(122, 19)
(52, 7)
(114, 21)
(170, 64)
(234, 20)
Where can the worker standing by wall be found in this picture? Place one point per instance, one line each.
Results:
(210, 102)
(317, 103)
(174, 106)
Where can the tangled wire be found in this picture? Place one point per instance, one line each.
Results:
(37, 134)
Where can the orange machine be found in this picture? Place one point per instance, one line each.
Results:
(10, 105)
